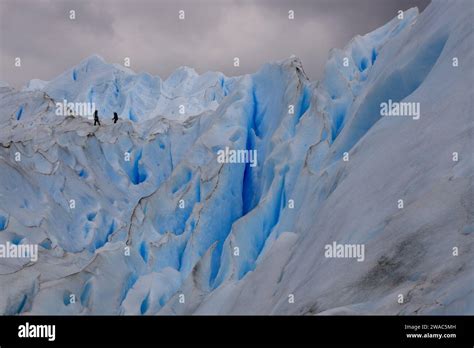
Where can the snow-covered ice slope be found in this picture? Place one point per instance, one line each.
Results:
(175, 231)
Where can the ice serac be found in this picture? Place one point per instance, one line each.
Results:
(172, 230)
(136, 97)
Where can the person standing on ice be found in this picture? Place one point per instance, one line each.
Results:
(115, 117)
(96, 118)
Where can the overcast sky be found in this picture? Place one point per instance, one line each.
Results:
(150, 33)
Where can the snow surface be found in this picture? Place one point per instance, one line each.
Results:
(190, 250)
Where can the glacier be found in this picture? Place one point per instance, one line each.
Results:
(173, 231)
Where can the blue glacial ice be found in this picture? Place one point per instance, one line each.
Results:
(139, 217)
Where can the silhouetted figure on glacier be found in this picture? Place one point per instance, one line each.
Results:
(96, 118)
(115, 117)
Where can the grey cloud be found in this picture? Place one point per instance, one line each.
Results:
(150, 33)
